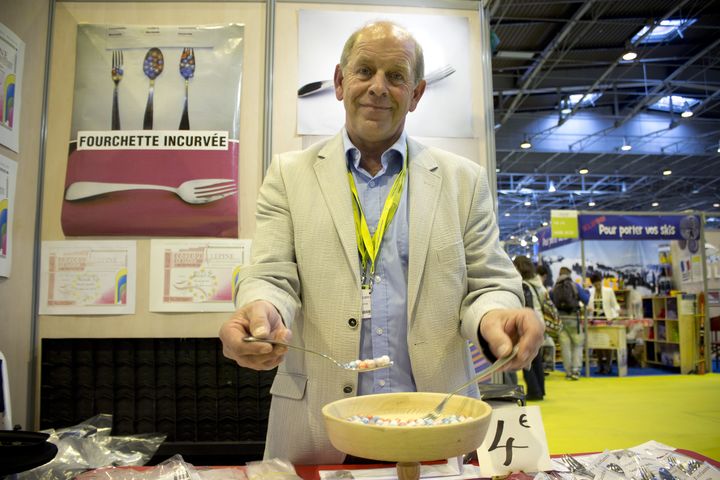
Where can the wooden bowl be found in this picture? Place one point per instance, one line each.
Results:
(406, 444)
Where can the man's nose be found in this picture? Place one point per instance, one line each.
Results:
(378, 84)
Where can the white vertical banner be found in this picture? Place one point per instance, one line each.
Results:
(8, 180)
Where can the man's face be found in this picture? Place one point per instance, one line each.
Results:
(377, 87)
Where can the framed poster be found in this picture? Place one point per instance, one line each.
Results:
(155, 129)
(12, 58)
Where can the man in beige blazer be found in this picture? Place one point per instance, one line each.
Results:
(304, 283)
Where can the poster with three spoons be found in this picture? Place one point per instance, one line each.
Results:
(195, 275)
(155, 125)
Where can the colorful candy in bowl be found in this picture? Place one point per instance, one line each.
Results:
(391, 427)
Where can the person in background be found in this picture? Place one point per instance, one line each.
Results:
(534, 375)
(602, 305)
(570, 299)
(543, 274)
(548, 347)
(371, 244)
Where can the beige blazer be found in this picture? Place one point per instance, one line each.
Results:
(305, 262)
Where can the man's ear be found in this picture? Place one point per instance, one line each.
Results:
(338, 79)
(417, 94)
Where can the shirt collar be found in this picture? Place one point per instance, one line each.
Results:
(397, 151)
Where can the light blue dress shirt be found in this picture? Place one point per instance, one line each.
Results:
(386, 331)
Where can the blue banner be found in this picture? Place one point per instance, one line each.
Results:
(639, 227)
(546, 241)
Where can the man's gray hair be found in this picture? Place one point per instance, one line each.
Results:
(419, 57)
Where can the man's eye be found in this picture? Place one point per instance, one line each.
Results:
(396, 77)
(363, 71)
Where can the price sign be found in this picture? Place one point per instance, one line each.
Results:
(515, 441)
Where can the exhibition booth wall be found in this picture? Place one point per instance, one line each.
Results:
(117, 70)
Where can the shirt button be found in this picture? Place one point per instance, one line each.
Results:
(371, 183)
(347, 389)
(352, 322)
(379, 331)
(378, 279)
(381, 383)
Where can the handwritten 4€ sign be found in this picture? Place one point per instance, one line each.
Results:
(515, 441)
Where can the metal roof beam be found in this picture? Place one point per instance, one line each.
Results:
(534, 69)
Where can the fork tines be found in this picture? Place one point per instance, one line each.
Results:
(439, 74)
(223, 188)
(117, 63)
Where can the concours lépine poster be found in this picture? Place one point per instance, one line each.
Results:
(155, 126)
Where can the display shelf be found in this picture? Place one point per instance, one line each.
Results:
(671, 341)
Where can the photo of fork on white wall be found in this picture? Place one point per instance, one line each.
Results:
(155, 129)
(446, 107)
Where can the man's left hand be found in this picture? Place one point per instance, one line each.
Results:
(502, 329)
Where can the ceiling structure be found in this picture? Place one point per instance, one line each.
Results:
(551, 49)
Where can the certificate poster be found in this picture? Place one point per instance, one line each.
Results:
(88, 278)
(444, 110)
(8, 180)
(195, 275)
(12, 57)
(155, 128)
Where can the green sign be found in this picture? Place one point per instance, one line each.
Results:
(564, 224)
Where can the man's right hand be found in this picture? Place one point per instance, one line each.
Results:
(259, 319)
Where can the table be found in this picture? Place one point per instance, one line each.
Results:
(312, 472)
(609, 337)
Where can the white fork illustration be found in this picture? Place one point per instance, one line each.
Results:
(197, 191)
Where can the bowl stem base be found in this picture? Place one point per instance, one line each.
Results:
(408, 470)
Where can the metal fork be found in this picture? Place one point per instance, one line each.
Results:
(187, 71)
(498, 364)
(116, 74)
(439, 74)
(195, 192)
(576, 467)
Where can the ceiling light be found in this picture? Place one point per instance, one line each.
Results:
(686, 113)
(667, 172)
(526, 143)
(534, 239)
(718, 150)
(591, 203)
(551, 187)
(507, 214)
(583, 171)
(716, 205)
(545, 224)
(629, 56)
(527, 203)
(523, 243)
(655, 204)
(625, 146)
(565, 108)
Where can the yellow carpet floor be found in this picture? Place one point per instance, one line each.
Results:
(594, 414)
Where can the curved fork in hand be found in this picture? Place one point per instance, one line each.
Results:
(198, 191)
(497, 365)
(345, 366)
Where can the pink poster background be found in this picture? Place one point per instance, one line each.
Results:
(150, 212)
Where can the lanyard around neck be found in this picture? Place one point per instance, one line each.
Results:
(369, 246)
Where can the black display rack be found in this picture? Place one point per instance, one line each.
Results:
(212, 411)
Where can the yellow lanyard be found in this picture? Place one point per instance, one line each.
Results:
(369, 246)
